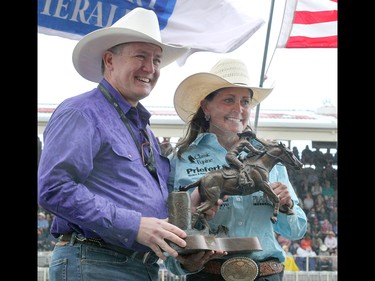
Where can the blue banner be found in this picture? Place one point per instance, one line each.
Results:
(203, 25)
(79, 17)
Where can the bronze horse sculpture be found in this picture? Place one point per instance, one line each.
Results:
(218, 183)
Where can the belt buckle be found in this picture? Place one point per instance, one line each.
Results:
(239, 268)
(83, 239)
(80, 237)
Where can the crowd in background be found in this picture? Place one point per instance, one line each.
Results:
(46, 242)
(316, 187)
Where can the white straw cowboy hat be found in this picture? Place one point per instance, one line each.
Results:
(225, 73)
(42, 215)
(139, 25)
(323, 248)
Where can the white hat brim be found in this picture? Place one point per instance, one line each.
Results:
(88, 53)
(193, 89)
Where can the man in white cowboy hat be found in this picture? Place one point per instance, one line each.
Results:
(216, 106)
(101, 172)
(324, 262)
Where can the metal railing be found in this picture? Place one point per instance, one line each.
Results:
(164, 275)
(310, 276)
(308, 270)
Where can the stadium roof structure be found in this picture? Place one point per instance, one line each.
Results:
(320, 125)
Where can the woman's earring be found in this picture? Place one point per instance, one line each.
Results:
(207, 117)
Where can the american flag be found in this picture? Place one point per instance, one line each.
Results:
(309, 24)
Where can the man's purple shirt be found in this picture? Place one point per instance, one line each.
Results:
(91, 174)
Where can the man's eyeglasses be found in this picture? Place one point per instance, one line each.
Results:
(148, 156)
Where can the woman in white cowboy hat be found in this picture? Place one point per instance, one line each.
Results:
(216, 106)
(101, 172)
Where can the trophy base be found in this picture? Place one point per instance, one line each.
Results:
(196, 243)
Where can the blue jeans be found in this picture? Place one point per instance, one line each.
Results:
(81, 262)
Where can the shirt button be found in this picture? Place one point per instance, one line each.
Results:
(240, 223)
(238, 198)
(130, 156)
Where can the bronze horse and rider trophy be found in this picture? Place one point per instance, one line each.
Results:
(250, 176)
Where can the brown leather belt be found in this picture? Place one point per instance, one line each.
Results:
(265, 268)
(143, 257)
